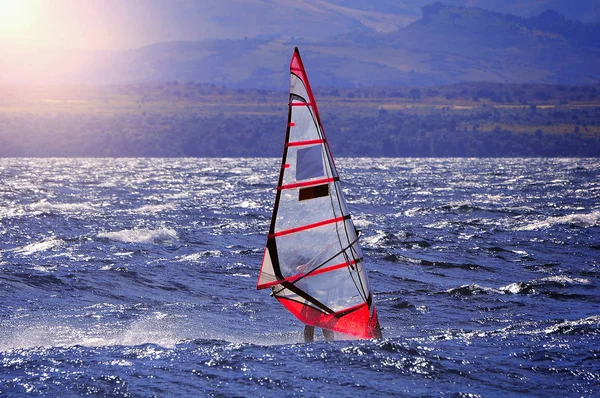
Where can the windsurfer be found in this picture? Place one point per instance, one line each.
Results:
(319, 292)
(309, 334)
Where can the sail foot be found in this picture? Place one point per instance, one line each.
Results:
(357, 322)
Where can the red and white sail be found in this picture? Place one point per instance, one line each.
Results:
(312, 260)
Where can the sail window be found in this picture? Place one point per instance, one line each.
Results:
(309, 163)
(314, 192)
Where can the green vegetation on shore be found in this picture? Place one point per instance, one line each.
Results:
(191, 119)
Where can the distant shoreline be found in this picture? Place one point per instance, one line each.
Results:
(202, 120)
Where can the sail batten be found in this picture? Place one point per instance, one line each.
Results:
(312, 260)
(307, 226)
(301, 104)
(307, 142)
(307, 183)
(294, 278)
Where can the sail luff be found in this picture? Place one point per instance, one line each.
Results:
(313, 102)
(268, 270)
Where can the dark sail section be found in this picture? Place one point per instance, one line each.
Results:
(318, 191)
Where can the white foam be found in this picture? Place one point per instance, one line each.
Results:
(208, 191)
(199, 255)
(593, 321)
(242, 275)
(361, 223)
(157, 328)
(513, 288)
(439, 225)
(521, 328)
(518, 287)
(46, 207)
(179, 195)
(11, 212)
(141, 235)
(154, 208)
(255, 179)
(581, 220)
(249, 204)
(241, 170)
(474, 289)
(37, 247)
(565, 280)
(374, 240)
(412, 212)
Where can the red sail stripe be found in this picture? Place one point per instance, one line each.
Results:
(305, 227)
(306, 183)
(331, 268)
(307, 142)
(277, 282)
(317, 272)
(291, 124)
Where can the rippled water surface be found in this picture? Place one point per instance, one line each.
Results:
(136, 277)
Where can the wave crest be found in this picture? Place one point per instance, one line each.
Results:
(154, 208)
(579, 220)
(141, 235)
(44, 206)
(560, 281)
(37, 247)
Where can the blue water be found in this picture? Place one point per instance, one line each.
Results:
(136, 278)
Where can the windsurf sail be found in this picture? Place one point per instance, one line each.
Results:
(312, 260)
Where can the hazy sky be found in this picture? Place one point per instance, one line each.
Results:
(123, 24)
(105, 24)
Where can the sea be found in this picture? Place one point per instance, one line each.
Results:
(137, 278)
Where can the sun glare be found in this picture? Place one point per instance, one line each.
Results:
(17, 18)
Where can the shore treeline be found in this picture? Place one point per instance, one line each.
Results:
(454, 121)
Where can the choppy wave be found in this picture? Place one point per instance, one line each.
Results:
(249, 204)
(201, 255)
(159, 328)
(589, 326)
(583, 220)
(11, 212)
(472, 289)
(547, 282)
(141, 235)
(362, 223)
(585, 327)
(37, 247)
(534, 286)
(146, 285)
(155, 208)
(44, 206)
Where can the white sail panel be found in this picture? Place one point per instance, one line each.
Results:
(295, 213)
(305, 250)
(267, 274)
(315, 169)
(297, 87)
